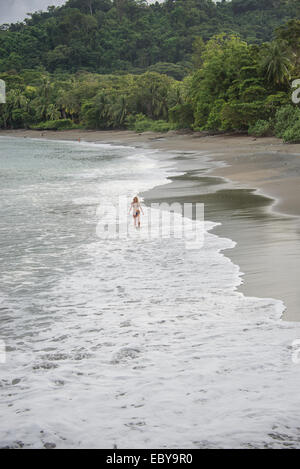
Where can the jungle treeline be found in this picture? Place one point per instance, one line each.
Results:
(182, 64)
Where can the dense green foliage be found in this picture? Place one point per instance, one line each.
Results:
(35, 98)
(104, 64)
(105, 36)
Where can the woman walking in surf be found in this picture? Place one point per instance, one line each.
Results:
(137, 209)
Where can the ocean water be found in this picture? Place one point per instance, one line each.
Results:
(136, 342)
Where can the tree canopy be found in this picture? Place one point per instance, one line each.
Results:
(181, 64)
(105, 36)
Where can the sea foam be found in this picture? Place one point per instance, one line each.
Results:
(135, 342)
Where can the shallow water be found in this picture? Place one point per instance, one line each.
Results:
(268, 243)
(135, 342)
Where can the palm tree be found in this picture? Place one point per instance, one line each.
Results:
(17, 99)
(276, 63)
(118, 111)
(16, 103)
(101, 106)
(68, 99)
(43, 100)
(52, 112)
(45, 88)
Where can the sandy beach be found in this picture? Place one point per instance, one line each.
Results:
(185, 346)
(253, 190)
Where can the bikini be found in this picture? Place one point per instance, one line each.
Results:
(137, 212)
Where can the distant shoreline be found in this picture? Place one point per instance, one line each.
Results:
(259, 209)
(274, 173)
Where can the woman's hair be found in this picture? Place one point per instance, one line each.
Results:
(135, 200)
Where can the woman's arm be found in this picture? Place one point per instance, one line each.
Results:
(141, 209)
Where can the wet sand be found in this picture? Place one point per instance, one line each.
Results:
(253, 190)
(268, 244)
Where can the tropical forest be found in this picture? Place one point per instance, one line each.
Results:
(197, 65)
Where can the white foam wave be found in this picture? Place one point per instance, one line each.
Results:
(144, 343)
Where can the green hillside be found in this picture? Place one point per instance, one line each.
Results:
(120, 64)
(107, 36)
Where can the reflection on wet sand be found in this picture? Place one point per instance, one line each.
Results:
(268, 244)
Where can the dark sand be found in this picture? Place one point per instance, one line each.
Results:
(268, 244)
(255, 196)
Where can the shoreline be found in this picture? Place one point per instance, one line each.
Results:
(266, 171)
(253, 189)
